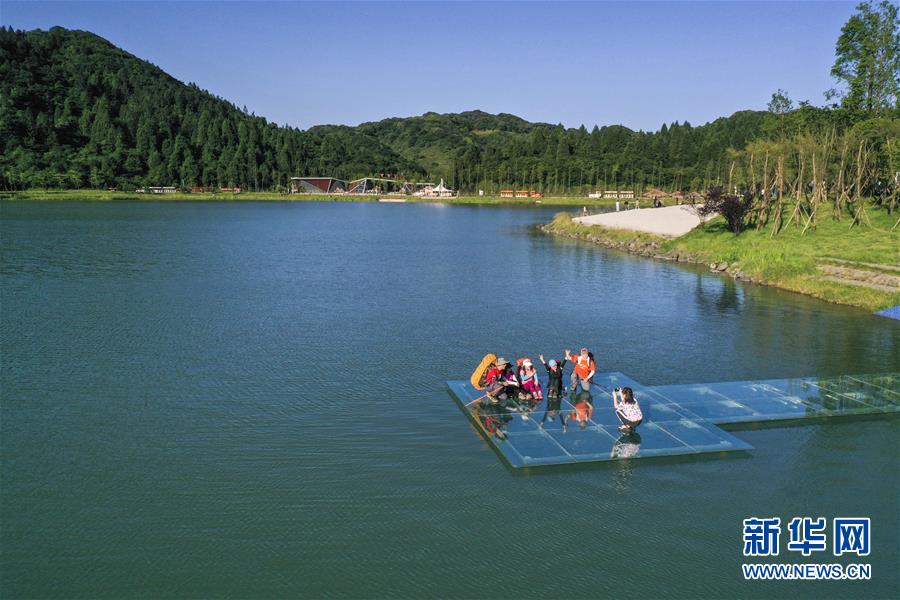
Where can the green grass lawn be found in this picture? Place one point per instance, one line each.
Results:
(787, 260)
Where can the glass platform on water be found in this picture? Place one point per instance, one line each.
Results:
(678, 419)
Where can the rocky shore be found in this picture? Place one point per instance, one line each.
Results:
(645, 245)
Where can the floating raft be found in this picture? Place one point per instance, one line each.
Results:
(678, 419)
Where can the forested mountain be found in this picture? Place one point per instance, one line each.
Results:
(75, 111)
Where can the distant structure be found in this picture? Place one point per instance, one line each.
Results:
(367, 185)
(614, 194)
(520, 194)
(317, 185)
(421, 188)
(157, 190)
(438, 191)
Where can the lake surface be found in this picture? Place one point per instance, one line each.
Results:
(248, 400)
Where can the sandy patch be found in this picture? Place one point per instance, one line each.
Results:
(669, 221)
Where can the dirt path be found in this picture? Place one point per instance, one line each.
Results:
(876, 280)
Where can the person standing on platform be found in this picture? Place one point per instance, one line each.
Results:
(554, 376)
(584, 370)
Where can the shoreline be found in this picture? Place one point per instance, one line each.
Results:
(108, 196)
(860, 269)
(838, 279)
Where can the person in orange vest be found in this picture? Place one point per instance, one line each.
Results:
(584, 370)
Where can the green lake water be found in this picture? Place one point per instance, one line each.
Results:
(249, 400)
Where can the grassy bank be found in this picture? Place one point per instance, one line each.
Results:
(107, 196)
(801, 263)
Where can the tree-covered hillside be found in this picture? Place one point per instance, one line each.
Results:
(75, 111)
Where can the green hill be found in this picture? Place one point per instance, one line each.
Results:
(77, 112)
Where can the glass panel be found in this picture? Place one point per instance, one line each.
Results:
(878, 400)
(537, 448)
(648, 396)
(784, 407)
(655, 441)
(861, 391)
(552, 420)
(605, 416)
(837, 404)
(687, 394)
(519, 422)
(678, 419)
(665, 412)
(725, 411)
(744, 390)
(788, 387)
(463, 391)
(590, 442)
(887, 381)
(571, 419)
(702, 437)
(608, 381)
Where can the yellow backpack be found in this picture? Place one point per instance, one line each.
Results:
(477, 379)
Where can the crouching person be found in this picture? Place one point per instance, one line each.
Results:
(627, 409)
(531, 387)
(501, 381)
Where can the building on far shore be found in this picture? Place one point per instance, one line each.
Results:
(614, 194)
(364, 185)
(317, 185)
(520, 194)
(167, 189)
(436, 191)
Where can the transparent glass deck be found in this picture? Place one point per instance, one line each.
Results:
(678, 419)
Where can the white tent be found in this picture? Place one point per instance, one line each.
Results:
(441, 190)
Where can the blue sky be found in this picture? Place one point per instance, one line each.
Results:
(640, 64)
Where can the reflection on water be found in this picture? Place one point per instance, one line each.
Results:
(583, 408)
(627, 445)
(553, 411)
(719, 294)
(246, 399)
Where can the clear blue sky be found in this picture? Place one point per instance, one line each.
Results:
(640, 64)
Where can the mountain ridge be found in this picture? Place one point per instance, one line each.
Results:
(77, 111)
